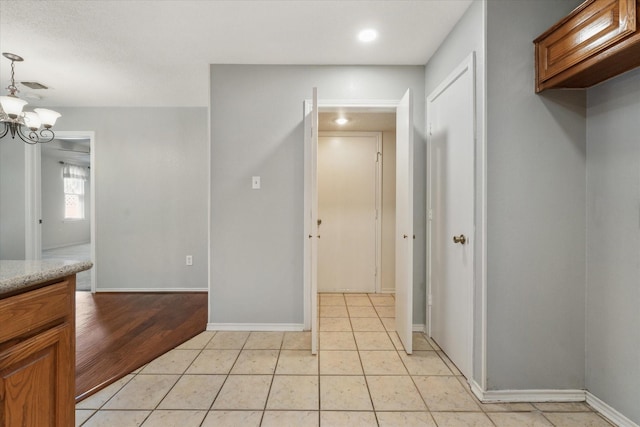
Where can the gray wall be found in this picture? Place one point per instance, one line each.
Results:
(151, 169)
(536, 196)
(56, 232)
(540, 149)
(257, 129)
(467, 37)
(12, 199)
(613, 243)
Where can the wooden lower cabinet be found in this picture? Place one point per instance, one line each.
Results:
(37, 361)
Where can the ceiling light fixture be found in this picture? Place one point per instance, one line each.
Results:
(341, 121)
(368, 35)
(31, 126)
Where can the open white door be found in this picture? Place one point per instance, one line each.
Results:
(404, 221)
(311, 217)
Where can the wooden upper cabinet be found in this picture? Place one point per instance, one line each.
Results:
(598, 40)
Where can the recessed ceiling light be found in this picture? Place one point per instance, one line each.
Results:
(341, 121)
(368, 35)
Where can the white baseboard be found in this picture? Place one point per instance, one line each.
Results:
(270, 327)
(476, 389)
(153, 290)
(608, 412)
(515, 396)
(552, 396)
(276, 327)
(66, 245)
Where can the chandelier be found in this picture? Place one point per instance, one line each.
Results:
(31, 126)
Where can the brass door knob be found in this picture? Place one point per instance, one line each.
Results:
(460, 239)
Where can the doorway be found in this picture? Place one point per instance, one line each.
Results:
(55, 229)
(404, 209)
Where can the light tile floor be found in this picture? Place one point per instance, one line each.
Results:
(361, 377)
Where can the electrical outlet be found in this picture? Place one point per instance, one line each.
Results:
(189, 260)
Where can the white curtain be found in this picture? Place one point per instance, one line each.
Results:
(74, 178)
(76, 172)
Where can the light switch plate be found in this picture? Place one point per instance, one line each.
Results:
(255, 182)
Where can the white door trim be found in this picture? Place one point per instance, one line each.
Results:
(33, 201)
(378, 231)
(33, 191)
(468, 64)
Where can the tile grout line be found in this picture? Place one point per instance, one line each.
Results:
(366, 381)
(273, 376)
(178, 380)
(225, 378)
(95, 411)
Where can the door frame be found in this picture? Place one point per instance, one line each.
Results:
(33, 199)
(353, 105)
(478, 251)
(378, 190)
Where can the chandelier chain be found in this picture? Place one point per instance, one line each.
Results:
(12, 87)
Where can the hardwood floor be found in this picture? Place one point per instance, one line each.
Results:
(117, 333)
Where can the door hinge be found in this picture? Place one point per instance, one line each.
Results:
(378, 155)
(430, 302)
(430, 129)
(430, 214)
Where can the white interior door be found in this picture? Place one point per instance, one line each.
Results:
(404, 221)
(311, 218)
(451, 126)
(348, 187)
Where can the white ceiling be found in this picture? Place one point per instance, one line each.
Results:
(73, 151)
(156, 53)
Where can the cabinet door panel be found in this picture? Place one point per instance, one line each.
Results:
(600, 25)
(37, 381)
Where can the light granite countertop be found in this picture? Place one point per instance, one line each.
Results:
(18, 275)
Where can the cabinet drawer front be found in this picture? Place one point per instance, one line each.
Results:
(32, 310)
(597, 27)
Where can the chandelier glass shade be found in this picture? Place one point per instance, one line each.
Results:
(30, 126)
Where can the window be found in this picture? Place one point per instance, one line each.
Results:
(74, 179)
